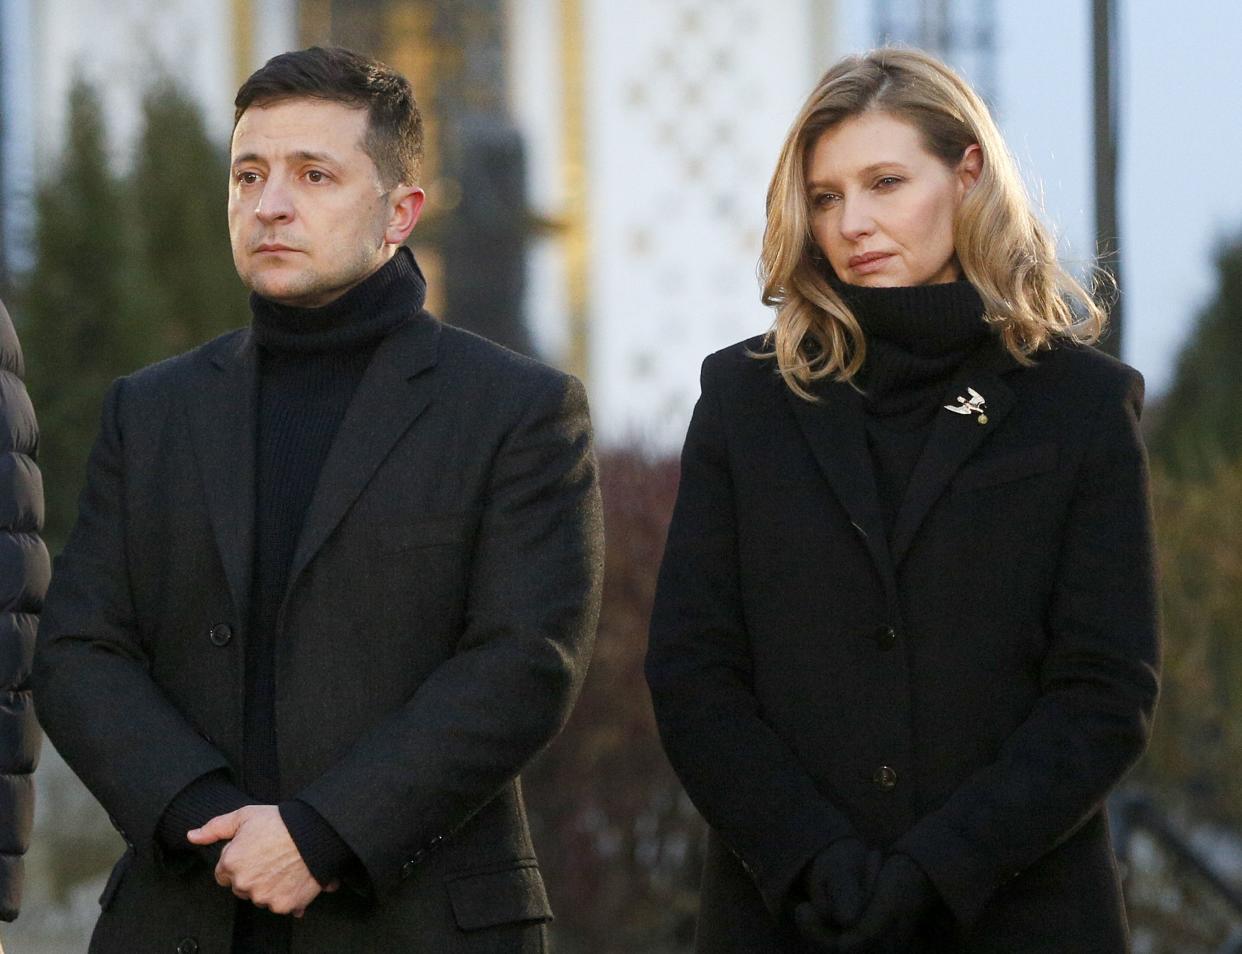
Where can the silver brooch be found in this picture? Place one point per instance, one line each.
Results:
(975, 404)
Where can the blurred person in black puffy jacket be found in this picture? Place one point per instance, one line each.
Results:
(24, 573)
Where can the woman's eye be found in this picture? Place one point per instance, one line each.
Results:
(887, 181)
(824, 199)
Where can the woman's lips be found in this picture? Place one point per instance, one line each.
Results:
(871, 262)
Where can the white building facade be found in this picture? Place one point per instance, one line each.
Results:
(653, 129)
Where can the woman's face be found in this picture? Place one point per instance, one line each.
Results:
(881, 206)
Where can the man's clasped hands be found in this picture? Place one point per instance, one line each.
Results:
(260, 861)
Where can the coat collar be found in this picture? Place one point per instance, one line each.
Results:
(954, 438)
(835, 428)
(221, 408)
(393, 392)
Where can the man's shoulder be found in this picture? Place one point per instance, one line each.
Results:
(173, 372)
(474, 360)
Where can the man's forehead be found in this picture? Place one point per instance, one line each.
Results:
(299, 126)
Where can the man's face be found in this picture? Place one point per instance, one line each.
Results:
(308, 217)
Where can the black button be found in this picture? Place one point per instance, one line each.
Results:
(407, 869)
(435, 842)
(221, 634)
(885, 637)
(187, 945)
(885, 777)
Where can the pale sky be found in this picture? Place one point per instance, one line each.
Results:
(1181, 128)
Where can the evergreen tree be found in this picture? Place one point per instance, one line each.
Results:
(1199, 427)
(83, 310)
(128, 270)
(180, 190)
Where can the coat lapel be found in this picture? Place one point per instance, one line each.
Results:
(393, 392)
(834, 427)
(222, 424)
(953, 439)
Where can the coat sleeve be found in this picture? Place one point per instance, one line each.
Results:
(24, 571)
(1099, 683)
(531, 610)
(102, 710)
(745, 780)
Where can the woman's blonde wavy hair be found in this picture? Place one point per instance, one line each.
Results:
(1003, 249)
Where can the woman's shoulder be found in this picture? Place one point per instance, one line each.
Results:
(751, 357)
(1086, 371)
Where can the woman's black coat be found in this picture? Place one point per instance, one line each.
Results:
(24, 573)
(966, 692)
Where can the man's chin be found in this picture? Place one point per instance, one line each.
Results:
(284, 290)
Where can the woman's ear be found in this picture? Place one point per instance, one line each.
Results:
(970, 167)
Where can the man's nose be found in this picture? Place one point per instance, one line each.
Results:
(275, 202)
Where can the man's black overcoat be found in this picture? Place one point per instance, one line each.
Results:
(439, 615)
(966, 692)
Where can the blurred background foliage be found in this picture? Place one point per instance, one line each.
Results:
(1195, 440)
(128, 270)
(131, 268)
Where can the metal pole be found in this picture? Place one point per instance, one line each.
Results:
(1107, 232)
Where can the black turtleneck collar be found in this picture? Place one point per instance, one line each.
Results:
(363, 315)
(925, 320)
(916, 338)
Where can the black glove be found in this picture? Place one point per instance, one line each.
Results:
(837, 883)
(900, 904)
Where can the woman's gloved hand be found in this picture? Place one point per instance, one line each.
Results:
(837, 884)
(900, 904)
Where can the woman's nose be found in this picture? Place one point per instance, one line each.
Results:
(856, 219)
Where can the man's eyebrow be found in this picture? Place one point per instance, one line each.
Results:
(302, 155)
(306, 155)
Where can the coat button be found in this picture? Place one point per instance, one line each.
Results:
(221, 634)
(885, 777)
(187, 945)
(885, 637)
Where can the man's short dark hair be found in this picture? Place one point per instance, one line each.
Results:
(394, 138)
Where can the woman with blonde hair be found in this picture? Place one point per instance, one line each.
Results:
(904, 641)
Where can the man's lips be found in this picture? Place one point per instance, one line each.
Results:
(274, 247)
(860, 262)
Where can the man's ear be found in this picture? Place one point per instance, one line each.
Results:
(406, 205)
(970, 167)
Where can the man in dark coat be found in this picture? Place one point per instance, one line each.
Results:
(24, 571)
(334, 579)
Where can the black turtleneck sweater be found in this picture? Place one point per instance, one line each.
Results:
(310, 361)
(917, 337)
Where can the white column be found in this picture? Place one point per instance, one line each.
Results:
(19, 159)
(688, 105)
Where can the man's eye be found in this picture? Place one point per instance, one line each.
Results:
(316, 175)
(247, 178)
(887, 181)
